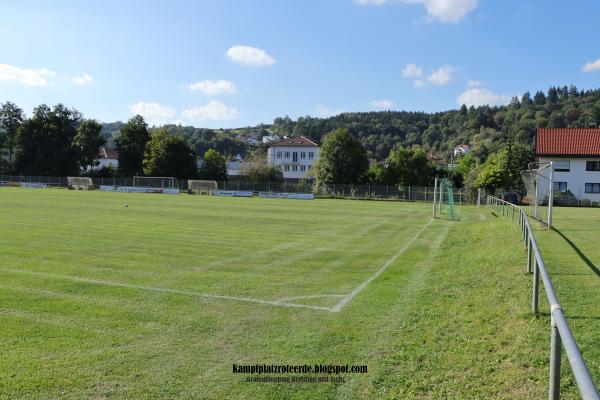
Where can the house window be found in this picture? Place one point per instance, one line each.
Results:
(311, 154)
(302, 154)
(286, 167)
(302, 168)
(592, 166)
(294, 168)
(560, 186)
(309, 167)
(295, 156)
(592, 187)
(278, 154)
(287, 154)
(562, 165)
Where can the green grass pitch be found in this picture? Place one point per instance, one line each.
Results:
(160, 298)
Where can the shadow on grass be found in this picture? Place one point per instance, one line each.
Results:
(580, 253)
(547, 314)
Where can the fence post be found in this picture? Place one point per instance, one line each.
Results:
(529, 257)
(555, 348)
(536, 284)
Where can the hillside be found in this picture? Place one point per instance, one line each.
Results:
(485, 128)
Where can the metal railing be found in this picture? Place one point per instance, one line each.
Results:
(561, 335)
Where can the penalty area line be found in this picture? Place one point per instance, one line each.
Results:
(338, 307)
(169, 290)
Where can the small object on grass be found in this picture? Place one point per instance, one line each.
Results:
(126, 205)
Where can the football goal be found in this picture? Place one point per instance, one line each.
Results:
(163, 182)
(443, 199)
(80, 182)
(202, 187)
(538, 179)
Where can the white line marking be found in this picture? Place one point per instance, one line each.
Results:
(380, 271)
(168, 290)
(316, 296)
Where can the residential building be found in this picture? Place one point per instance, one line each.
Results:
(294, 156)
(575, 154)
(107, 158)
(461, 149)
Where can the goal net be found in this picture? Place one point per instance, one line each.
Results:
(79, 182)
(202, 187)
(538, 181)
(443, 200)
(164, 182)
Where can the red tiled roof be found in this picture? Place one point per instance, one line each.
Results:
(568, 142)
(108, 153)
(296, 141)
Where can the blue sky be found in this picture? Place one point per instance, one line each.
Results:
(236, 63)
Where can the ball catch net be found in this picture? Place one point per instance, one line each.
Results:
(538, 181)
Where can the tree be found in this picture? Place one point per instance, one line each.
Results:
(343, 159)
(87, 142)
(257, 169)
(408, 167)
(214, 166)
(492, 173)
(168, 155)
(131, 143)
(11, 117)
(44, 142)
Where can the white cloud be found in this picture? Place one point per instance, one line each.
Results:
(474, 83)
(382, 104)
(481, 96)
(412, 71)
(591, 66)
(83, 79)
(213, 87)
(441, 10)
(324, 111)
(213, 111)
(447, 10)
(248, 55)
(153, 113)
(29, 77)
(420, 83)
(442, 75)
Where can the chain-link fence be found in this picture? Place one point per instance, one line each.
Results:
(373, 192)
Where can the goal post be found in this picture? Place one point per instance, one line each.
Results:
(538, 179)
(443, 195)
(155, 182)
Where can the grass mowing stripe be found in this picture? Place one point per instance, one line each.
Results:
(380, 271)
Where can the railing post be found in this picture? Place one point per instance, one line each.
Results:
(536, 284)
(555, 349)
(529, 257)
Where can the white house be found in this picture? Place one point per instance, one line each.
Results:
(269, 138)
(461, 149)
(294, 156)
(107, 158)
(576, 159)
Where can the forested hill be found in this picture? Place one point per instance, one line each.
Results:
(486, 129)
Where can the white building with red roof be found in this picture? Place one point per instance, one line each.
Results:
(107, 158)
(575, 153)
(294, 156)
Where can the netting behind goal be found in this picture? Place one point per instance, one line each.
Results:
(80, 182)
(538, 190)
(202, 187)
(155, 182)
(443, 202)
